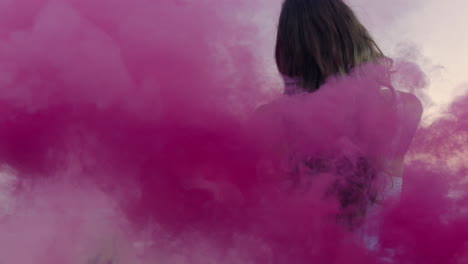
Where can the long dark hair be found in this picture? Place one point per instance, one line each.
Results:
(321, 38)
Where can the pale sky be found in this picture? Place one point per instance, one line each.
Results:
(439, 29)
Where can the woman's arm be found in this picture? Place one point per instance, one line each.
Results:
(412, 110)
(411, 117)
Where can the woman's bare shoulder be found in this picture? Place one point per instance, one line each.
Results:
(268, 107)
(411, 104)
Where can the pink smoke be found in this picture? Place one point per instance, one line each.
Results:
(132, 133)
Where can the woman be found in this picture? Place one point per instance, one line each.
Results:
(319, 39)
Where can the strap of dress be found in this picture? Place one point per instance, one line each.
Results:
(291, 85)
